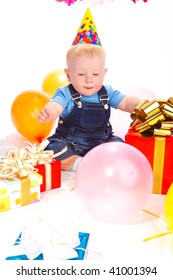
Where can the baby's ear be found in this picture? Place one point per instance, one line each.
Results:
(67, 74)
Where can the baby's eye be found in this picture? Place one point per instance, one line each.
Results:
(95, 74)
(81, 74)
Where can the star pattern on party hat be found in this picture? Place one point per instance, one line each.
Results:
(87, 32)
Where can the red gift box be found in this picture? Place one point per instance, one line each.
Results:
(51, 173)
(158, 151)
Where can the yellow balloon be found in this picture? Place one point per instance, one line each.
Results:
(24, 114)
(168, 208)
(53, 81)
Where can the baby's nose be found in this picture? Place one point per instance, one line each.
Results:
(88, 78)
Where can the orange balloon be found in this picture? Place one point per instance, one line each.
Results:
(24, 114)
(53, 81)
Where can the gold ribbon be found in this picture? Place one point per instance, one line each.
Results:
(16, 164)
(48, 175)
(156, 236)
(154, 117)
(21, 162)
(37, 153)
(25, 191)
(158, 163)
(159, 234)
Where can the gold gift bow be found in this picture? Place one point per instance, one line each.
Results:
(39, 155)
(154, 116)
(21, 162)
(16, 164)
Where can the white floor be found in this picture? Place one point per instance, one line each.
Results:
(106, 241)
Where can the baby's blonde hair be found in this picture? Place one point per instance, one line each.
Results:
(89, 50)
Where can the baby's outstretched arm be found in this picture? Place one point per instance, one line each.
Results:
(129, 103)
(50, 112)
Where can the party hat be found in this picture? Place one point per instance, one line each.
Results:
(87, 32)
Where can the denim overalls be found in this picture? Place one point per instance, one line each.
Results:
(84, 128)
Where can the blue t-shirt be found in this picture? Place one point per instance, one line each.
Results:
(63, 97)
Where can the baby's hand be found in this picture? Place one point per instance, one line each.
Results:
(44, 115)
(50, 112)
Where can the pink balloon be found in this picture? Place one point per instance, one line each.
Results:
(114, 181)
(120, 122)
(140, 92)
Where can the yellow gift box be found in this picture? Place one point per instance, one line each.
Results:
(17, 192)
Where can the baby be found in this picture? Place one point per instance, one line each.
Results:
(83, 107)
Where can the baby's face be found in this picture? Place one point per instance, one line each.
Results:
(87, 73)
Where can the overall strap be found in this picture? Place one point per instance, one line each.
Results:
(76, 97)
(103, 97)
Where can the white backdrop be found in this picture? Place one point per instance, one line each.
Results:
(35, 35)
(34, 38)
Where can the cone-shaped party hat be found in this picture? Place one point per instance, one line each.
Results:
(87, 32)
